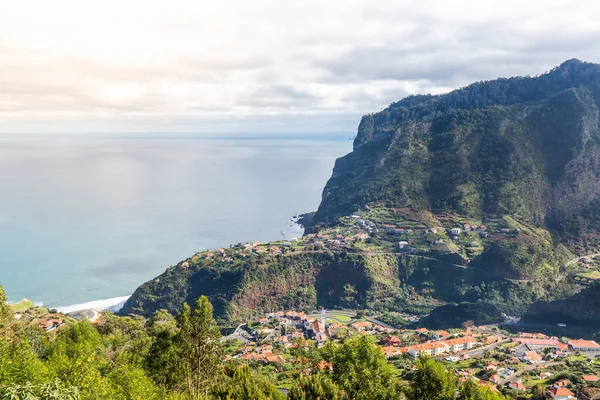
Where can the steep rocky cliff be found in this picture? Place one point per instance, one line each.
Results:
(522, 154)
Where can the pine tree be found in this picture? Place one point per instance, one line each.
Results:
(200, 347)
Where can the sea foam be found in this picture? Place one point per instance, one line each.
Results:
(113, 304)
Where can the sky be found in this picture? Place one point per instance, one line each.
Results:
(264, 65)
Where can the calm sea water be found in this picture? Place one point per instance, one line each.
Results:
(91, 218)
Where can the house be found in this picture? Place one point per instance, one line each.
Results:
(440, 334)
(274, 359)
(429, 348)
(583, 345)
(516, 386)
(51, 324)
(493, 366)
(392, 341)
(546, 375)
(320, 338)
(455, 231)
(531, 357)
(391, 351)
(361, 326)
(559, 393)
(495, 378)
(492, 339)
(460, 344)
(590, 378)
(402, 244)
(421, 331)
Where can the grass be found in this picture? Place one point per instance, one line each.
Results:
(22, 305)
(594, 275)
(341, 318)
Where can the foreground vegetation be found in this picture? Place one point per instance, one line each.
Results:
(181, 358)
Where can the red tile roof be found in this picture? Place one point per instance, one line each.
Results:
(561, 391)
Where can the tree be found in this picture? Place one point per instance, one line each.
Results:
(163, 362)
(431, 381)
(5, 310)
(241, 384)
(200, 347)
(471, 390)
(54, 390)
(316, 387)
(360, 369)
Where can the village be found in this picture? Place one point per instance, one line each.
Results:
(283, 342)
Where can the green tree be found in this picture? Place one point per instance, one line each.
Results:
(360, 369)
(5, 310)
(163, 362)
(471, 390)
(431, 381)
(241, 384)
(54, 390)
(316, 387)
(200, 347)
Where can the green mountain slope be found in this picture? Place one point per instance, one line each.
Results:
(521, 146)
(514, 163)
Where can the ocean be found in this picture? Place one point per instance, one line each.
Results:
(86, 219)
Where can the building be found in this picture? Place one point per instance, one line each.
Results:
(362, 326)
(460, 344)
(516, 386)
(391, 351)
(583, 345)
(429, 348)
(455, 231)
(536, 344)
(531, 357)
(440, 334)
(590, 378)
(392, 341)
(559, 393)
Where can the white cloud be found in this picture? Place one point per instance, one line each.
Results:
(264, 65)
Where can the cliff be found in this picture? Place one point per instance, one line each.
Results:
(516, 162)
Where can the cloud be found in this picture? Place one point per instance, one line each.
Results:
(251, 66)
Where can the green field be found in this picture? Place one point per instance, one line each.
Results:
(594, 275)
(22, 305)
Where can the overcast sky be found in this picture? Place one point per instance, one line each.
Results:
(264, 65)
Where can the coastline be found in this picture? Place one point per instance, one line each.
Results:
(113, 304)
(295, 227)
